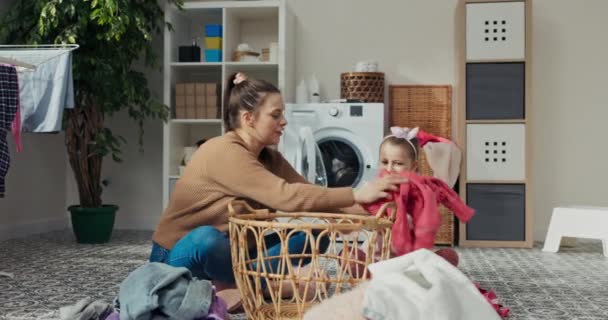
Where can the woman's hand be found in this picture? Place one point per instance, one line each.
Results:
(378, 189)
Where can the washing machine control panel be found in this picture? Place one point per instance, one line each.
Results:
(356, 111)
(334, 112)
(352, 110)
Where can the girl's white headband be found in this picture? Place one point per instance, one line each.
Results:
(407, 134)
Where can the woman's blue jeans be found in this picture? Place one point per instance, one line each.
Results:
(205, 251)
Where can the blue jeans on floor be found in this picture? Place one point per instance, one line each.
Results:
(205, 251)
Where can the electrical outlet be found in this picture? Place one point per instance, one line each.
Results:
(496, 152)
(495, 31)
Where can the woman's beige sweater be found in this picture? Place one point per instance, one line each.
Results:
(223, 169)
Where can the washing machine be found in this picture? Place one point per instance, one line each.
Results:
(334, 144)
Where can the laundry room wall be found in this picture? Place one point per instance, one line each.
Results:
(414, 41)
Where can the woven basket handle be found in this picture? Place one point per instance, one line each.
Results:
(383, 211)
(232, 203)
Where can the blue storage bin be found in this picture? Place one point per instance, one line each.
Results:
(213, 30)
(213, 55)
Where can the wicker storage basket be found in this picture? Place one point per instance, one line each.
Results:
(365, 86)
(430, 108)
(262, 287)
(242, 55)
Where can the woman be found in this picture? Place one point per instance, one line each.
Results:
(192, 232)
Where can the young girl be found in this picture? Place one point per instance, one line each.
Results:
(418, 219)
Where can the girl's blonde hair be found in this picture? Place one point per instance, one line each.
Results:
(403, 143)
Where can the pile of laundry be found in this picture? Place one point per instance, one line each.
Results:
(420, 285)
(154, 291)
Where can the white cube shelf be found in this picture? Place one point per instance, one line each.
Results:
(495, 31)
(496, 152)
(258, 23)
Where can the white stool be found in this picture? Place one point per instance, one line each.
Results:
(577, 222)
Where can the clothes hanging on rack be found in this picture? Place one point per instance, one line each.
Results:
(9, 103)
(45, 92)
(16, 129)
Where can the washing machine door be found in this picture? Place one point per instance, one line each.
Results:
(301, 150)
(311, 162)
(343, 160)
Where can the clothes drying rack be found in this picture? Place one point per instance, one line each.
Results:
(30, 56)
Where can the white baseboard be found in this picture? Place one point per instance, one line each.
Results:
(23, 229)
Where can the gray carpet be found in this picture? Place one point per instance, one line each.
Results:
(51, 270)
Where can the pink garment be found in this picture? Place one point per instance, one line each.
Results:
(419, 200)
(16, 125)
(16, 128)
(113, 316)
(425, 137)
(491, 297)
(218, 310)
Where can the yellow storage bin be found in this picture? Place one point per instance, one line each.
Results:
(213, 43)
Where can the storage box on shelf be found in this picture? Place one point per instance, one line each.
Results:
(213, 43)
(191, 53)
(196, 100)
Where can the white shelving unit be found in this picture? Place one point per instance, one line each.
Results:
(257, 23)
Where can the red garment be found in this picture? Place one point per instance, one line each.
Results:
(16, 128)
(419, 200)
(492, 299)
(425, 137)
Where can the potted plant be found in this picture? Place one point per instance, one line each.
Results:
(112, 35)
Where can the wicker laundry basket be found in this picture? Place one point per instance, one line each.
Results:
(364, 86)
(264, 288)
(430, 108)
